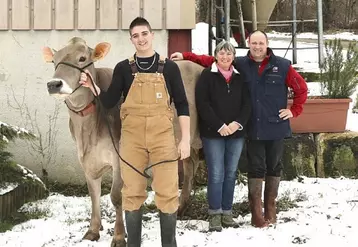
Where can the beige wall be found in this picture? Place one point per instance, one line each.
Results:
(94, 14)
(23, 71)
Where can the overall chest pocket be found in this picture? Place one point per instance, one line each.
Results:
(274, 84)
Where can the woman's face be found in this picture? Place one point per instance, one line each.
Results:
(224, 58)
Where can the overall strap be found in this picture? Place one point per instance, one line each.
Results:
(161, 63)
(133, 65)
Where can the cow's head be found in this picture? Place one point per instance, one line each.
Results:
(69, 61)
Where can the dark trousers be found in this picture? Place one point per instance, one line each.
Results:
(264, 158)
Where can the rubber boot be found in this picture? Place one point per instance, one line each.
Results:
(255, 192)
(270, 195)
(215, 224)
(228, 221)
(134, 227)
(168, 224)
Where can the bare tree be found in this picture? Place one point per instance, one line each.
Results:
(44, 147)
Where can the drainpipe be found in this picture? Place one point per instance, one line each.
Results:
(241, 24)
(254, 15)
(320, 32)
(227, 20)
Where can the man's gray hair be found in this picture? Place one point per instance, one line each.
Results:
(225, 45)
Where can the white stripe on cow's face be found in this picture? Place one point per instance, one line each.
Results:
(64, 90)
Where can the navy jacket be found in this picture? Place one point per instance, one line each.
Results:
(220, 103)
(268, 92)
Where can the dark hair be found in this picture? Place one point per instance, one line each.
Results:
(258, 31)
(139, 21)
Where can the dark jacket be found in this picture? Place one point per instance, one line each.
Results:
(268, 95)
(219, 102)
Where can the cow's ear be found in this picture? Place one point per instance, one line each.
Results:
(47, 54)
(100, 51)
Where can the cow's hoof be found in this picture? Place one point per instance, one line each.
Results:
(91, 235)
(118, 243)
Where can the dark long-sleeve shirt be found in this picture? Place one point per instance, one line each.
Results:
(122, 80)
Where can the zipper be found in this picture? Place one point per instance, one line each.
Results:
(298, 85)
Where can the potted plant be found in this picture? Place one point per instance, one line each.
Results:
(339, 79)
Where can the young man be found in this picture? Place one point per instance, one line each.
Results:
(268, 77)
(148, 83)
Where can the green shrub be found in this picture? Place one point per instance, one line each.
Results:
(338, 75)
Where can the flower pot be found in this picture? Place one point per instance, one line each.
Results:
(321, 115)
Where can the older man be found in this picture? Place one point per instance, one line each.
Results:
(268, 77)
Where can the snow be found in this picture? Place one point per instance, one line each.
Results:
(5, 139)
(341, 35)
(29, 174)
(326, 213)
(18, 130)
(7, 187)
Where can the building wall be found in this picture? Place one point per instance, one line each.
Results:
(26, 26)
(94, 14)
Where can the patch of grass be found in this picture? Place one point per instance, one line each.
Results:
(149, 208)
(74, 189)
(5, 226)
(285, 202)
(20, 217)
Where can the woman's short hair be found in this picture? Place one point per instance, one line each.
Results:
(225, 45)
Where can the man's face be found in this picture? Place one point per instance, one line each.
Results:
(142, 38)
(258, 45)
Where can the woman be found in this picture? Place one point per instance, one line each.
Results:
(223, 104)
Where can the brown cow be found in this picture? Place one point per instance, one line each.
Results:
(88, 127)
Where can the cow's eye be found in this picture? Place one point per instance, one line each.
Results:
(82, 59)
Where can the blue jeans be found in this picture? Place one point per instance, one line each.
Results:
(222, 157)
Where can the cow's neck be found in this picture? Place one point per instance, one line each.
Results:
(86, 129)
(79, 100)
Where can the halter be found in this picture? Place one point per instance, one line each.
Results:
(75, 67)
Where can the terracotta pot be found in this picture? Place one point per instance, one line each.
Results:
(321, 115)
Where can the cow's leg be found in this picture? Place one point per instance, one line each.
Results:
(190, 166)
(116, 197)
(94, 189)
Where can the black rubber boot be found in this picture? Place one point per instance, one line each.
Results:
(134, 227)
(168, 224)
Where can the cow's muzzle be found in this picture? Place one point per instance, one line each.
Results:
(59, 86)
(54, 86)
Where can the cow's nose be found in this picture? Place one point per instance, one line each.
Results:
(54, 84)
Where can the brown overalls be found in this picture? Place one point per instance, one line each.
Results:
(147, 137)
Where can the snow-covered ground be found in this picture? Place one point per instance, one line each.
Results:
(326, 216)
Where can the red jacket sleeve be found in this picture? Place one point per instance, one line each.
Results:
(203, 60)
(299, 86)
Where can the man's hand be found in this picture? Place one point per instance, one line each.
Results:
(285, 114)
(184, 148)
(85, 81)
(233, 126)
(225, 131)
(176, 56)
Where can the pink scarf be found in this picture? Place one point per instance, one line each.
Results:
(226, 73)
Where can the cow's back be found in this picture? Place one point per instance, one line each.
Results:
(190, 73)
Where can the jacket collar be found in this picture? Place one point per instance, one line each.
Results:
(214, 69)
